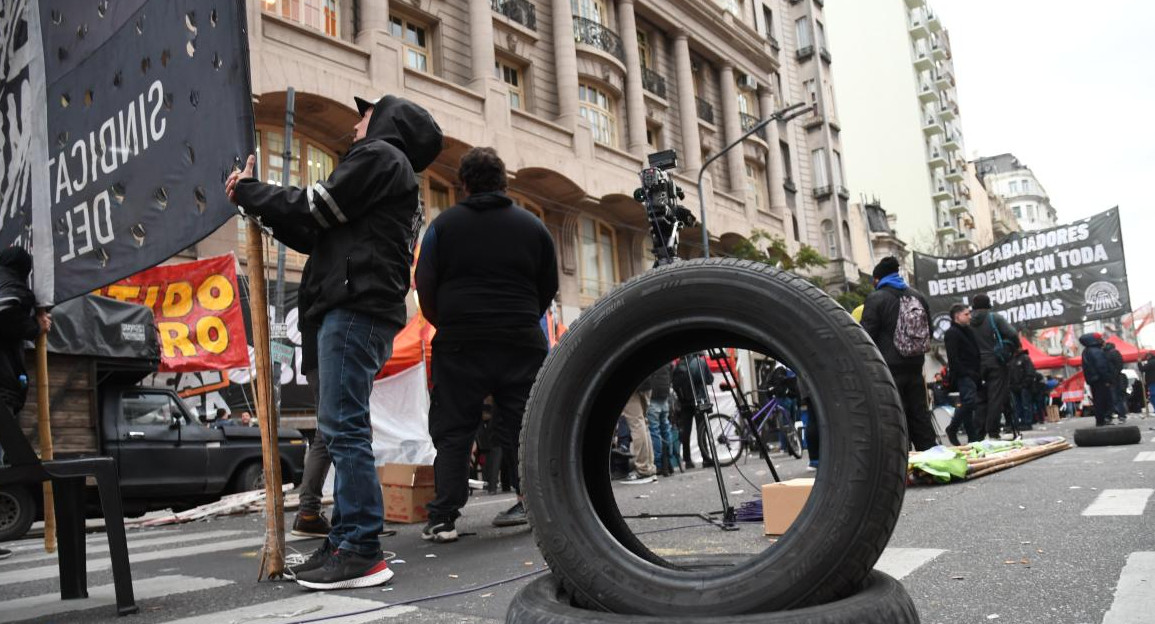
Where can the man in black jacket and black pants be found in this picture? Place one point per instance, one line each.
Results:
(486, 274)
(962, 357)
(879, 319)
(359, 227)
(991, 330)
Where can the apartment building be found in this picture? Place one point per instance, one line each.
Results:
(903, 131)
(994, 220)
(1018, 188)
(573, 94)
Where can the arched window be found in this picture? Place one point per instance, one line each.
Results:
(593, 10)
(846, 237)
(597, 246)
(829, 237)
(317, 164)
(597, 107)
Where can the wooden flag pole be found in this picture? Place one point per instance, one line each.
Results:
(45, 432)
(273, 553)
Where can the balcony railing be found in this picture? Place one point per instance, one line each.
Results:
(521, 11)
(653, 82)
(805, 52)
(705, 110)
(773, 41)
(824, 54)
(749, 121)
(596, 35)
(821, 192)
(843, 192)
(788, 184)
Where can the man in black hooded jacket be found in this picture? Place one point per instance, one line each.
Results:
(962, 357)
(359, 228)
(486, 274)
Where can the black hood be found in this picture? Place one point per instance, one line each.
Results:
(487, 201)
(17, 260)
(1090, 340)
(406, 126)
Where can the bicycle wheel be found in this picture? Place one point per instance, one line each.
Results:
(791, 443)
(723, 441)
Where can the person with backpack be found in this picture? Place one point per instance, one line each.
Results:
(897, 317)
(1097, 371)
(998, 343)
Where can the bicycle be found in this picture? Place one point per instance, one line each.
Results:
(731, 436)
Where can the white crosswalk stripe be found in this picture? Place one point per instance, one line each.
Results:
(1134, 597)
(312, 607)
(100, 545)
(104, 563)
(104, 596)
(1145, 456)
(899, 562)
(1119, 503)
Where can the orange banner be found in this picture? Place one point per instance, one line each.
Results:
(198, 313)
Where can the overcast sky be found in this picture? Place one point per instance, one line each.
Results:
(1068, 88)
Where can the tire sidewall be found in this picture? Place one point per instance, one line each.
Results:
(852, 510)
(18, 509)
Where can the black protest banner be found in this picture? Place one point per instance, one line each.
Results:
(148, 108)
(1068, 274)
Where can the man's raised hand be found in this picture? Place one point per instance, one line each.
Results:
(235, 176)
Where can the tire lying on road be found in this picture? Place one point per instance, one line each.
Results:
(665, 313)
(881, 600)
(1108, 436)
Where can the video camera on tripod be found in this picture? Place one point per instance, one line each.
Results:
(660, 194)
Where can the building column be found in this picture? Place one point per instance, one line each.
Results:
(480, 43)
(374, 17)
(732, 130)
(774, 160)
(687, 106)
(565, 60)
(635, 100)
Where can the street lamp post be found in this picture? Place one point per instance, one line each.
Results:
(785, 114)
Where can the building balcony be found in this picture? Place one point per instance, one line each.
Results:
(822, 192)
(931, 127)
(918, 29)
(790, 186)
(947, 112)
(521, 11)
(938, 52)
(933, 23)
(926, 92)
(941, 193)
(943, 80)
(824, 54)
(705, 110)
(773, 41)
(922, 61)
(948, 230)
(959, 207)
(952, 142)
(834, 124)
(653, 82)
(914, 4)
(805, 52)
(595, 35)
(748, 122)
(954, 174)
(937, 158)
(813, 120)
(843, 192)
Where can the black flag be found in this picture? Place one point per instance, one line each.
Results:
(121, 120)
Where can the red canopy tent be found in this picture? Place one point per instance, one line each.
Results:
(1071, 389)
(411, 346)
(1039, 359)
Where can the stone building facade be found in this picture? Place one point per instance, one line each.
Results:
(574, 94)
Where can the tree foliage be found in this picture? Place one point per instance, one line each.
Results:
(763, 246)
(857, 294)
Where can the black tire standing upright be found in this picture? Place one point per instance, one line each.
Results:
(688, 306)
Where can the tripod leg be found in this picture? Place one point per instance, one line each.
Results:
(728, 515)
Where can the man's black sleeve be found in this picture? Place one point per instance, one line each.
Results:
(547, 283)
(425, 275)
(950, 340)
(870, 321)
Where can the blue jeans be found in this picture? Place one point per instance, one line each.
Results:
(968, 398)
(658, 421)
(351, 348)
(1024, 408)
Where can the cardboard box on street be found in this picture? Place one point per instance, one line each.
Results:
(782, 502)
(406, 489)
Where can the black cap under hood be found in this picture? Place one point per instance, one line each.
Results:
(406, 126)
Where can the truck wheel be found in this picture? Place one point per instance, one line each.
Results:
(251, 477)
(689, 306)
(17, 512)
(882, 600)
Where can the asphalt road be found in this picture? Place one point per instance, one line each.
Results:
(1018, 546)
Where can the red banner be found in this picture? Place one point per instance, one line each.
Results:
(198, 313)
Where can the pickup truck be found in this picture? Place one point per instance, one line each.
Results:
(98, 350)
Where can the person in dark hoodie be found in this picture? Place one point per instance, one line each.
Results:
(20, 321)
(486, 273)
(963, 366)
(359, 228)
(998, 343)
(1098, 374)
(1118, 379)
(880, 315)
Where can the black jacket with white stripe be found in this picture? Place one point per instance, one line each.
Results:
(360, 225)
